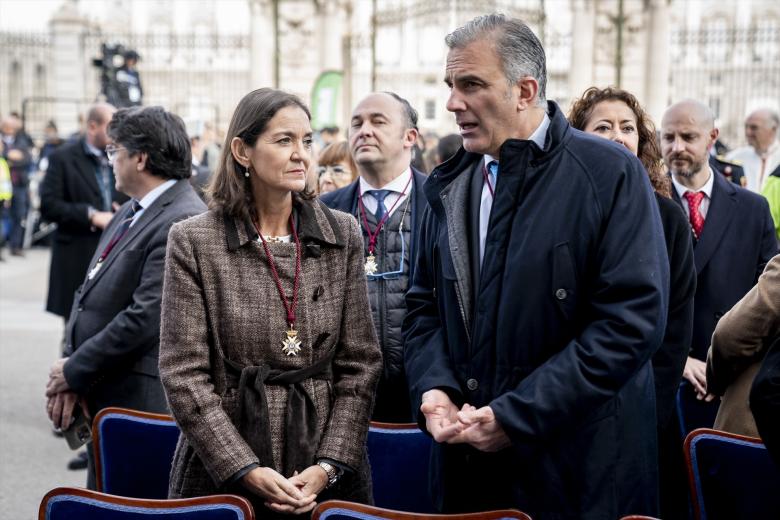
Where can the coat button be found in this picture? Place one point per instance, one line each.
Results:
(472, 384)
(561, 294)
(80, 308)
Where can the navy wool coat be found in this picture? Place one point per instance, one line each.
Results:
(557, 334)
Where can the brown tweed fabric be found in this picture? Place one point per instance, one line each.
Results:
(220, 300)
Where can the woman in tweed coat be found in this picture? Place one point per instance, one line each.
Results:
(267, 350)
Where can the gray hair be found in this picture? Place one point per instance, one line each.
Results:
(519, 49)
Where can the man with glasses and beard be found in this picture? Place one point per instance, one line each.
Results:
(388, 202)
(733, 236)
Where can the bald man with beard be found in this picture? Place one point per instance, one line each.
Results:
(733, 236)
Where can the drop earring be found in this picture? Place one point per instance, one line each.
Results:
(246, 173)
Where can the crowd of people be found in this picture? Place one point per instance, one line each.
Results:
(532, 292)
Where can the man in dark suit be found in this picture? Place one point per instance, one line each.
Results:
(113, 332)
(733, 230)
(78, 194)
(733, 236)
(387, 201)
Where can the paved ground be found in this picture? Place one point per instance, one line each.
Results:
(32, 460)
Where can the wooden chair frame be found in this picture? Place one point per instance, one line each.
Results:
(401, 515)
(233, 500)
(696, 496)
(96, 443)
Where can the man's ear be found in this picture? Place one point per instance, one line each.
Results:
(526, 90)
(410, 137)
(714, 133)
(142, 158)
(239, 150)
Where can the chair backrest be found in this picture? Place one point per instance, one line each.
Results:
(74, 503)
(342, 510)
(693, 413)
(639, 517)
(731, 476)
(133, 452)
(399, 455)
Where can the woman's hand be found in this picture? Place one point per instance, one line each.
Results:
(313, 479)
(281, 495)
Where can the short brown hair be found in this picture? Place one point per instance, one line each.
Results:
(648, 152)
(230, 190)
(336, 153)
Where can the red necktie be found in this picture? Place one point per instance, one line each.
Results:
(697, 221)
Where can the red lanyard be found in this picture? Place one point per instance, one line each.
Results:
(487, 180)
(289, 307)
(373, 236)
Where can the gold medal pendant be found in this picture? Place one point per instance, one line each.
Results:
(291, 345)
(370, 266)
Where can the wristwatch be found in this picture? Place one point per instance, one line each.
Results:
(331, 470)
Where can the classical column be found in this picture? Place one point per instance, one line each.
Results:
(262, 44)
(657, 59)
(582, 46)
(331, 21)
(68, 65)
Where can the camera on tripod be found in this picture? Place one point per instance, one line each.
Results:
(120, 82)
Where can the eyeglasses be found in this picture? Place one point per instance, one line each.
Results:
(112, 150)
(337, 170)
(392, 275)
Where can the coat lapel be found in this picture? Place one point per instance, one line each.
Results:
(718, 220)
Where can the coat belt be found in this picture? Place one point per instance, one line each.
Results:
(300, 425)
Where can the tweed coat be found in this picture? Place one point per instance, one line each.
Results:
(739, 343)
(220, 302)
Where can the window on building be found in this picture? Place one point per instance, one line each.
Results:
(430, 109)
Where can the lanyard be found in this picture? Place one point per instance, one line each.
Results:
(486, 176)
(373, 236)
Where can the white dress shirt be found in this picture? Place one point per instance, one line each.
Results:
(757, 167)
(396, 187)
(486, 201)
(705, 202)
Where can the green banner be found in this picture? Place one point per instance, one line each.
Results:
(326, 100)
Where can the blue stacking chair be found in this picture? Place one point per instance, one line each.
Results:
(693, 413)
(731, 476)
(133, 452)
(342, 510)
(399, 455)
(82, 504)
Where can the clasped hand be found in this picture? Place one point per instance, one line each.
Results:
(469, 425)
(294, 496)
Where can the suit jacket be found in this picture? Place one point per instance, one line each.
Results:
(220, 304)
(737, 241)
(67, 190)
(114, 328)
(739, 343)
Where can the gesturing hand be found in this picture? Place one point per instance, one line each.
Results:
(280, 494)
(441, 415)
(481, 429)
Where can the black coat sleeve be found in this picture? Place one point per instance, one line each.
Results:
(669, 360)
(765, 400)
(54, 206)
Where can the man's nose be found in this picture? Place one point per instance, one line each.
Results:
(455, 103)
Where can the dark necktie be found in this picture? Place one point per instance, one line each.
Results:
(380, 195)
(121, 230)
(694, 202)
